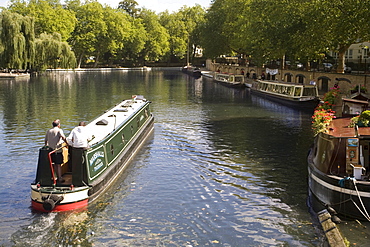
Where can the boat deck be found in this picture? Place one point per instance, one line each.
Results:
(67, 179)
(339, 128)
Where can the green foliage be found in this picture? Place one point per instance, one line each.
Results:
(129, 6)
(17, 39)
(118, 29)
(89, 28)
(269, 29)
(49, 17)
(357, 87)
(193, 19)
(53, 53)
(178, 33)
(157, 43)
(135, 43)
(321, 120)
(323, 114)
(261, 30)
(363, 120)
(330, 98)
(215, 37)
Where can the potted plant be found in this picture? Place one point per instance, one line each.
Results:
(363, 120)
(359, 88)
(321, 120)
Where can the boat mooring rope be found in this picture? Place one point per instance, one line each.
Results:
(365, 213)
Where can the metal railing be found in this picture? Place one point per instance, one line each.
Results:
(51, 163)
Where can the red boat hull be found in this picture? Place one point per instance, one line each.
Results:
(62, 207)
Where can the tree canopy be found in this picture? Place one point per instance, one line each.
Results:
(258, 30)
(270, 29)
(17, 40)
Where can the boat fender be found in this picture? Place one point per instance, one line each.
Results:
(333, 214)
(336, 219)
(90, 192)
(331, 210)
(50, 202)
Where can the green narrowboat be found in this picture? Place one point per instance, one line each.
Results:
(118, 134)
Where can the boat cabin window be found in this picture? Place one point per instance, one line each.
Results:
(311, 91)
(262, 86)
(298, 91)
(270, 87)
(238, 79)
(289, 90)
(223, 77)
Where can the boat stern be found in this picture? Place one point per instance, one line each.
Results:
(53, 199)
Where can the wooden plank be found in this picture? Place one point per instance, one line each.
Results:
(331, 231)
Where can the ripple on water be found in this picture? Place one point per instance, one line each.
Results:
(197, 197)
(213, 173)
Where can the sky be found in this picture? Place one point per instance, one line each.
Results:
(155, 5)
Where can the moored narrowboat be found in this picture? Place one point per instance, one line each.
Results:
(88, 172)
(229, 80)
(193, 71)
(292, 94)
(339, 160)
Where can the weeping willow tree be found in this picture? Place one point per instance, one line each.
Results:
(17, 41)
(53, 53)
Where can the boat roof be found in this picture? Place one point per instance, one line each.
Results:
(363, 102)
(339, 128)
(111, 119)
(283, 83)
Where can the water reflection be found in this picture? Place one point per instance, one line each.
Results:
(293, 117)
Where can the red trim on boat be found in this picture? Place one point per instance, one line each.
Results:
(61, 207)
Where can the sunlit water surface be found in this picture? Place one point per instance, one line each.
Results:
(222, 168)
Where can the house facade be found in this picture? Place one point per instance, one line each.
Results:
(356, 53)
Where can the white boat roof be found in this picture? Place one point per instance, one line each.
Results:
(106, 123)
(281, 83)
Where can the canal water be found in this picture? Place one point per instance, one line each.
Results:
(223, 167)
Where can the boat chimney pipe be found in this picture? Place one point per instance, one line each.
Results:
(115, 120)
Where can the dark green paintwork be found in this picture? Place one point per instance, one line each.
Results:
(105, 153)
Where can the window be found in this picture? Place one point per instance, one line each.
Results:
(349, 53)
(309, 92)
(297, 91)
